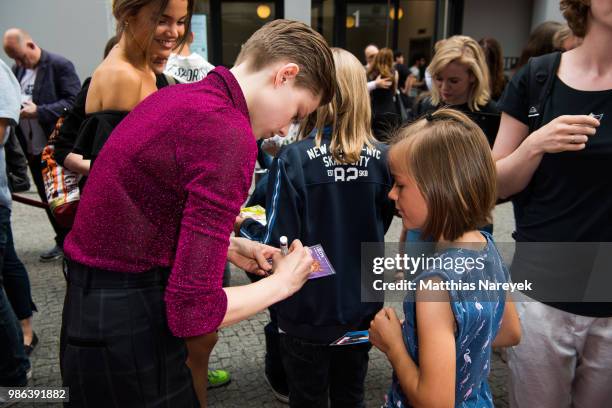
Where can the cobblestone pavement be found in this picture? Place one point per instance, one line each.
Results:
(240, 348)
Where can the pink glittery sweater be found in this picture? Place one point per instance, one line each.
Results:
(164, 192)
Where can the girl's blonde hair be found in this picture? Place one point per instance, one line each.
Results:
(382, 65)
(348, 113)
(449, 158)
(464, 50)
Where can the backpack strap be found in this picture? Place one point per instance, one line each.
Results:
(542, 75)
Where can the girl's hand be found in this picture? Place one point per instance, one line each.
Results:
(565, 133)
(386, 331)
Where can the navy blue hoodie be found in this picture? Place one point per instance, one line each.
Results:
(313, 198)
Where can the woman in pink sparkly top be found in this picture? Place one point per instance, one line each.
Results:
(146, 254)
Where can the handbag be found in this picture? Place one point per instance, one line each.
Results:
(61, 184)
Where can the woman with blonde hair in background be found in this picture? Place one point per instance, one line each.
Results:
(461, 81)
(385, 117)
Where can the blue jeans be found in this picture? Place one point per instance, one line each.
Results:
(13, 361)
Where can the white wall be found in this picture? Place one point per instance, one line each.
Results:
(546, 10)
(76, 29)
(509, 22)
(298, 10)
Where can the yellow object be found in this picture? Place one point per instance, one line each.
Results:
(263, 11)
(256, 212)
(350, 22)
(400, 13)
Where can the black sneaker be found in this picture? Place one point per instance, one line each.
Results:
(280, 391)
(53, 255)
(29, 348)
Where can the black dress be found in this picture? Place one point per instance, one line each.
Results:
(385, 117)
(95, 131)
(79, 127)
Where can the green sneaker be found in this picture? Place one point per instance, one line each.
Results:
(218, 378)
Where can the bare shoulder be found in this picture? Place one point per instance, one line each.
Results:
(117, 85)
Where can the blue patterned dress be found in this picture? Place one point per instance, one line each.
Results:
(478, 316)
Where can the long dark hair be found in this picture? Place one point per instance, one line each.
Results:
(495, 61)
(540, 41)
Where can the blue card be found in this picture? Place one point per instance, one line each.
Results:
(354, 337)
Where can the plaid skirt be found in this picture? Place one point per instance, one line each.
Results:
(116, 349)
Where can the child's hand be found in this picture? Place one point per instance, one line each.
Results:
(386, 331)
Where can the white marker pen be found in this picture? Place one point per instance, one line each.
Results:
(284, 247)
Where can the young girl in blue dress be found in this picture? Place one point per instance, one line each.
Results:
(445, 186)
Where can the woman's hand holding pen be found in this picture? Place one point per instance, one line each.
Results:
(293, 269)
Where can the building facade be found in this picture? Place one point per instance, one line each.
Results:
(79, 29)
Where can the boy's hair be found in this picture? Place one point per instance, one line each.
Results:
(576, 12)
(292, 41)
(464, 50)
(348, 113)
(450, 160)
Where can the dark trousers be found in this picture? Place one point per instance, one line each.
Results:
(116, 349)
(15, 275)
(34, 164)
(13, 361)
(318, 373)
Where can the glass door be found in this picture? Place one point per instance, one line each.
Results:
(368, 23)
(240, 19)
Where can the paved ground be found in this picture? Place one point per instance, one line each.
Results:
(240, 349)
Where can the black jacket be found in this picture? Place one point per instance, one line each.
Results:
(55, 89)
(312, 198)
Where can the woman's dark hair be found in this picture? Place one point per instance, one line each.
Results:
(540, 41)
(124, 9)
(495, 61)
(110, 44)
(576, 12)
